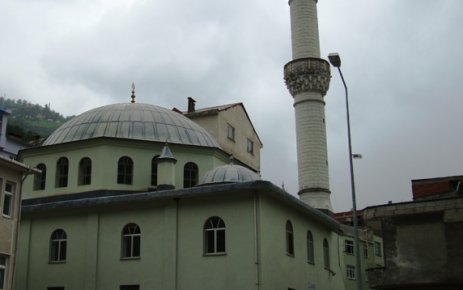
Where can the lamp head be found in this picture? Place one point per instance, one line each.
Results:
(334, 59)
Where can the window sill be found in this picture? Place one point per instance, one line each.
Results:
(311, 263)
(214, 254)
(7, 216)
(348, 253)
(57, 262)
(130, 258)
(290, 255)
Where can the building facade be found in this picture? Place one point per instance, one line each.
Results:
(11, 175)
(422, 238)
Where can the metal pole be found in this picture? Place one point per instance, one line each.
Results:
(354, 203)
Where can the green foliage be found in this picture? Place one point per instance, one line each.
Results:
(31, 121)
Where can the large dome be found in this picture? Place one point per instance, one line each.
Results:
(133, 121)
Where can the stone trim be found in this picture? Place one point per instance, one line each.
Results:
(307, 75)
(313, 189)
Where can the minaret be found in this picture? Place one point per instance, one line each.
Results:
(307, 77)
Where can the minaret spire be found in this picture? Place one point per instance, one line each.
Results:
(307, 77)
(133, 93)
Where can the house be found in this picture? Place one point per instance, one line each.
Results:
(422, 238)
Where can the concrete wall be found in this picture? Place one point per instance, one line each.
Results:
(282, 271)
(422, 244)
(9, 224)
(172, 253)
(105, 155)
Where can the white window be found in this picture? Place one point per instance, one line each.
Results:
(231, 132)
(350, 272)
(7, 208)
(378, 251)
(349, 247)
(131, 240)
(310, 249)
(58, 246)
(326, 255)
(289, 239)
(2, 272)
(214, 236)
(250, 147)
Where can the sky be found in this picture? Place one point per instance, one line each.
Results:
(402, 62)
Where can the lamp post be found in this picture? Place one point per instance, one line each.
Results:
(335, 60)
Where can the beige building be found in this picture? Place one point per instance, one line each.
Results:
(231, 126)
(11, 176)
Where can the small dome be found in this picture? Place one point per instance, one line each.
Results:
(133, 121)
(230, 173)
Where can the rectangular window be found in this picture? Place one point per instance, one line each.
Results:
(2, 272)
(350, 272)
(129, 287)
(378, 251)
(250, 147)
(231, 132)
(7, 208)
(365, 250)
(349, 247)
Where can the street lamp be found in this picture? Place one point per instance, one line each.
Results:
(335, 60)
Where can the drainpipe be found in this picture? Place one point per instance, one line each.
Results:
(257, 239)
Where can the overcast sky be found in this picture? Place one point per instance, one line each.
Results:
(402, 61)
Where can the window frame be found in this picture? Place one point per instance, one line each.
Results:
(85, 171)
(190, 175)
(58, 246)
(40, 179)
(349, 247)
(3, 271)
(250, 146)
(351, 272)
(326, 255)
(62, 172)
(131, 237)
(365, 250)
(125, 170)
(214, 231)
(378, 249)
(231, 132)
(8, 199)
(310, 248)
(129, 287)
(289, 230)
(154, 170)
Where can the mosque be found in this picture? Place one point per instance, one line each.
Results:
(135, 196)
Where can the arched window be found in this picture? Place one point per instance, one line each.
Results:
(326, 254)
(124, 170)
(131, 239)
(62, 170)
(85, 171)
(190, 175)
(214, 236)
(58, 246)
(310, 251)
(289, 239)
(154, 170)
(40, 179)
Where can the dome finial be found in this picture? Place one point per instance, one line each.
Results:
(133, 93)
(232, 159)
